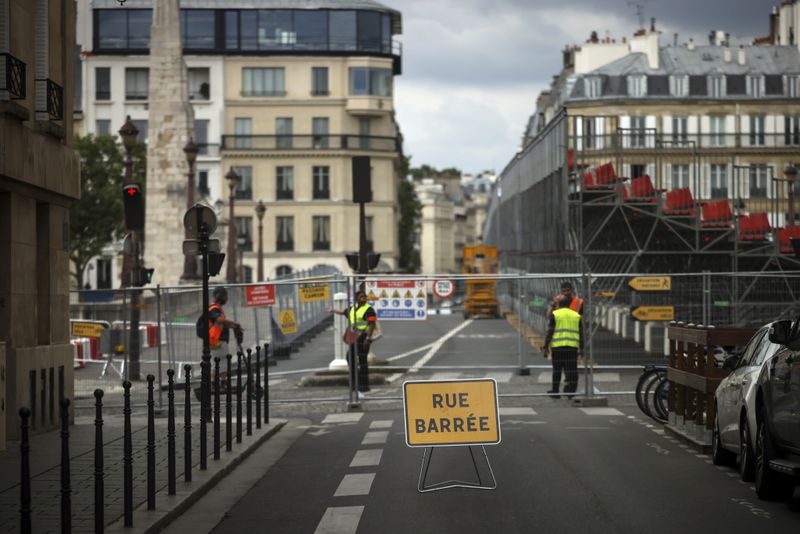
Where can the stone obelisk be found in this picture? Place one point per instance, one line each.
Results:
(170, 124)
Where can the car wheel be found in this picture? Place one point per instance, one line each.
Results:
(770, 485)
(747, 458)
(719, 454)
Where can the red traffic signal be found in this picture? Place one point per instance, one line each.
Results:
(133, 200)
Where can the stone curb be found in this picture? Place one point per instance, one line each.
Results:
(170, 507)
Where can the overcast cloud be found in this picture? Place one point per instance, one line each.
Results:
(472, 69)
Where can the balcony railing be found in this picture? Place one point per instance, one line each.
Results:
(322, 245)
(284, 194)
(14, 80)
(311, 142)
(649, 140)
(321, 194)
(284, 245)
(53, 103)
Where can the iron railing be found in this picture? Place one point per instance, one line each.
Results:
(14, 80)
(311, 142)
(54, 98)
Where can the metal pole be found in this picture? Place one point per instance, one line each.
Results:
(266, 384)
(158, 344)
(99, 486)
(588, 364)
(228, 408)
(151, 445)
(171, 432)
(259, 391)
(249, 391)
(216, 408)
(25, 473)
(205, 371)
(66, 489)
(187, 425)
(238, 397)
(127, 458)
(520, 326)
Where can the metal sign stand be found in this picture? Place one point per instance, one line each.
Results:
(427, 455)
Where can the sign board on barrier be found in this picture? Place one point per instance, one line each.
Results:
(444, 288)
(651, 283)
(287, 321)
(315, 293)
(398, 299)
(654, 313)
(451, 412)
(260, 295)
(87, 329)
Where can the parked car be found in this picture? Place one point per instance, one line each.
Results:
(777, 443)
(735, 405)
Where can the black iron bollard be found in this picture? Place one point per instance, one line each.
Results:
(259, 391)
(66, 486)
(229, 407)
(151, 445)
(170, 432)
(127, 458)
(238, 397)
(99, 488)
(205, 411)
(25, 473)
(187, 426)
(250, 392)
(216, 408)
(266, 383)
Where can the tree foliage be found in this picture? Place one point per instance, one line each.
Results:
(96, 220)
(408, 226)
(428, 171)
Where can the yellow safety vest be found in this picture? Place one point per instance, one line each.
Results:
(357, 317)
(568, 329)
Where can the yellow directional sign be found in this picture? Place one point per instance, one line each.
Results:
(606, 294)
(287, 321)
(314, 293)
(651, 283)
(654, 313)
(451, 412)
(79, 329)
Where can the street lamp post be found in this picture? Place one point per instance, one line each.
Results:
(233, 180)
(189, 260)
(241, 241)
(790, 171)
(261, 209)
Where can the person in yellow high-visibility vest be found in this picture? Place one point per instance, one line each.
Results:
(362, 318)
(565, 341)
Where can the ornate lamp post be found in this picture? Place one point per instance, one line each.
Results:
(233, 180)
(261, 209)
(241, 241)
(790, 171)
(190, 261)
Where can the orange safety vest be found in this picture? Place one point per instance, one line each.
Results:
(576, 305)
(214, 332)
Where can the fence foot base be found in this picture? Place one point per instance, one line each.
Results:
(354, 407)
(523, 371)
(590, 401)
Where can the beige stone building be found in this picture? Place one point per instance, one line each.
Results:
(437, 233)
(39, 178)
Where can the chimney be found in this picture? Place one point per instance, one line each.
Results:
(727, 54)
(742, 57)
(711, 37)
(653, 24)
(593, 37)
(690, 46)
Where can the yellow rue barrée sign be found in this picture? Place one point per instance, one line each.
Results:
(451, 412)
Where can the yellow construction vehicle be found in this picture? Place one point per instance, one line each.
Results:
(481, 297)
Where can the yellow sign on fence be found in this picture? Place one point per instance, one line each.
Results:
(315, 293)
(651, 283)
(451, 412)
(287, 321)
(654, 313)
(79, 329)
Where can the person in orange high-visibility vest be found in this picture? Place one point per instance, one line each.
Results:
(567, 292)
(219, 326)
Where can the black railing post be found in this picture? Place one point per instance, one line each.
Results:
(259, 389)
(250, 392)
(229, 406)
(216, 407)
(127, 459)
(151, 445)
(205, 410)
(170, 432)
(266, 383)
(187, 426)
(24, 473)
(99, 485)
(238, 397)
(66, 486)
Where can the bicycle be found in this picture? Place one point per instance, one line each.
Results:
(652, 392)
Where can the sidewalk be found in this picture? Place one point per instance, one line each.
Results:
(45, 459)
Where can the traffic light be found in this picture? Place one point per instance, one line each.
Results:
(133, 200)
(142, 276)
(215, 260)
(373, 258)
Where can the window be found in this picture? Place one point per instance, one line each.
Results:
(370, 81)
(263, 81)
(123, 29)
(137, 81)
(368, 225)
(736, 84)
(773, 85)
(792, 130)
(285, 233)
(284, 127)
(244, 234)
(698, 86)
(716, 131)
(141, 125)
(637, 85)
(319, 81)
(283, 270)
(719, 181)
(679, 85)
(275, 29)
(588, 132)
(638, 132)
(369, 31)
(680, 176)
(202, 183)
(680, 130)
(247, 273)
(319, 129)
(231, 30)
(198, 29)
(755, 86)
(716, 86)
(102, 83)
(201, 135)
(104, 273)
(594, 87)
(244, 189)
(284, 180)
(757, 130)
(321, 227)
(311, 29)
(793, 86)
(321, 177)
(758, 181)
(363, 133)
(243, 130)
(342, 28)
(102, 127)
(199, 88)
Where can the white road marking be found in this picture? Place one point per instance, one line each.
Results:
(601, 411)
(368, 457)
(381, 424)
(445, 376)
(587, 427)
(409, 353)
(517, 411)
(355, 485)
(277, 381)
(375, 438)
(545, 377)
(606, 377)
(340, 520)
(501, 378)
(394, 376)
(343, 418)
(659, 431)
(486, 336)
(437, 345)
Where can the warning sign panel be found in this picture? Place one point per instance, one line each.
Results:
(86, 329)
(315, 293)
(287, 321)
(404, 300)
(451, 412)
(263, 295)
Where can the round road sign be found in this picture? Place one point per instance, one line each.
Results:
(443, 288)
(195, 217)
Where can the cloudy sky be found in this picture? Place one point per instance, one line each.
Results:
(472, 68)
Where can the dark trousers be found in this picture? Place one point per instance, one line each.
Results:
(363, 364)
(565, 359)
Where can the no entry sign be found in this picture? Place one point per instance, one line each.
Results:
(260, 295)
(443, 288)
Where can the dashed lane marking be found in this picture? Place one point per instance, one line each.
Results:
(517, 411)
(340, 520)
(355, 485)
(368, 457)
(381, 424)
(601, 411)
(375, 438)
(342, 418)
